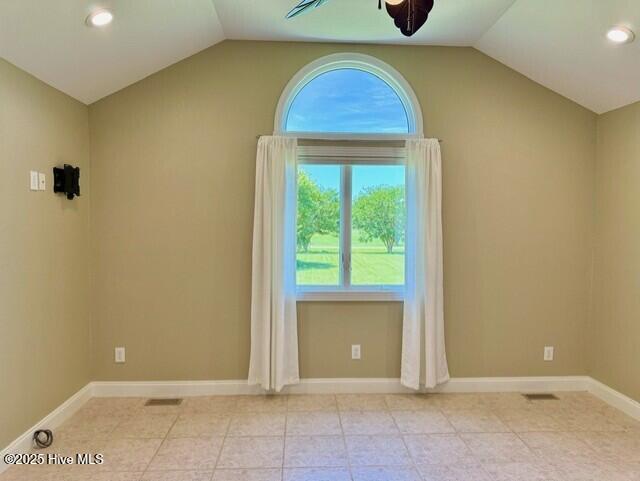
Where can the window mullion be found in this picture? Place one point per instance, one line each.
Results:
(345, 225)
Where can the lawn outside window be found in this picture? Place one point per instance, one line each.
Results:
(350, 223)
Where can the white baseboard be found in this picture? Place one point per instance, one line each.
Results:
(319, 386)
(337, 386)
(514, 384)
(53, 420)
(455, 385)
(347, 386)
(240, 387)
(614, 398)
(172, 389)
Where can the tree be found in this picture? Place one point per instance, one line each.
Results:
(379, 213)
(318, 210)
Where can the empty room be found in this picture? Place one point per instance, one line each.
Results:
(320, 240)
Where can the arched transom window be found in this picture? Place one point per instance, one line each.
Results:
(349, 96)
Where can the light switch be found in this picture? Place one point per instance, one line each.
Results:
(42, 181)
(34, 185)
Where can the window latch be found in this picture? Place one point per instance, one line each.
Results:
(346, 262)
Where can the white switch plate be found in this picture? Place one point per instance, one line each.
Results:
(34, 182)
(355, 351)
(120, 355)
(548, 353)
(42, 181)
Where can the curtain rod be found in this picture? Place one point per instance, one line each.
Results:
(346, 140)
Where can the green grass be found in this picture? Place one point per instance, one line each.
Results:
(371, 264)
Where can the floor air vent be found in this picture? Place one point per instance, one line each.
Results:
(541, 397)
(163, 402)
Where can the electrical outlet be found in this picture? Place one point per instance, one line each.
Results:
(355, 351)
(549, 353)
(120, 355)
(33, 180)
(42, 181)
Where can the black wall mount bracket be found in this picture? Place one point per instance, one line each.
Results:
(66, 180)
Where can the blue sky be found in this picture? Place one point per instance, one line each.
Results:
(328, 176)
(347, 100)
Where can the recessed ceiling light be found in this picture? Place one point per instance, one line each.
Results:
(99, 18)
(620, 34)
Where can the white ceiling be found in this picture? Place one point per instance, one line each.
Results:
(49, 39)
(562, 44)
(558, 43)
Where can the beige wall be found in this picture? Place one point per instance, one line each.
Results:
(614, 350)
(44, 309)
(172, 201)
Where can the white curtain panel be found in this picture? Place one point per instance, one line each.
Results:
(424, 360)
(274, 335)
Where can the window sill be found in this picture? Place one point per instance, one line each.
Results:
(350, 296)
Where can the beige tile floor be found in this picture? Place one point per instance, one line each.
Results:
(447, 437)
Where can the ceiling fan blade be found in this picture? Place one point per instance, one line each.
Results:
(304, 6)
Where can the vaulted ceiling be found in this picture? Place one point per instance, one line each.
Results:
(560, 44)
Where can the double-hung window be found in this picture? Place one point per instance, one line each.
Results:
(351, 207)
(350, 224)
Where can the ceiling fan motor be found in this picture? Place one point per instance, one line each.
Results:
(408, 15)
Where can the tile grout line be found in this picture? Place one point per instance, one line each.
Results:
(414, 465)
(224, 440)
(284, 437)
(146, 469)
(344, 439)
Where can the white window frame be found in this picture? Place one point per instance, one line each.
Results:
(346, 156)
(356, 61)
